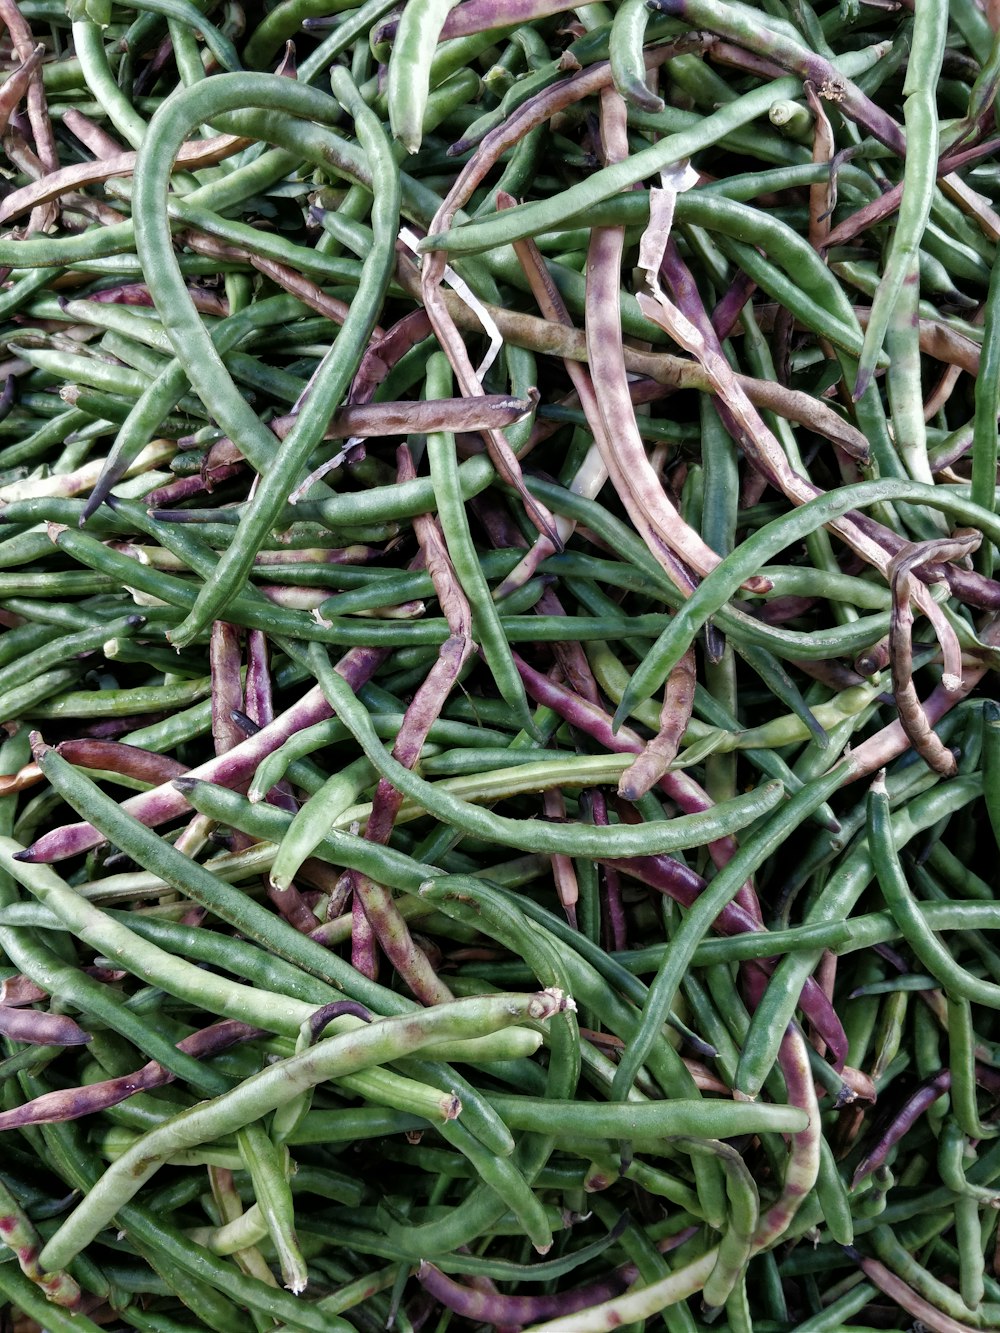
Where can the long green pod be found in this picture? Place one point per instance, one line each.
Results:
(316, 817)
(269, 1168)
(743, 1216)
(545, 215)
(929, 951)
(984, 433)
(930, 34)
(443, 462)
(991, 764)
(839, 895)
(409, 73)
(191, 878)
(530, 835)
(752, 555)
(191, 341)
(331, 379)
(163, 394)
(628, 68)
(231, 999)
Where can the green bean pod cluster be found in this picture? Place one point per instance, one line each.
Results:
(500, 757)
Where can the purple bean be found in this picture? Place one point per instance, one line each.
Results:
(381, 356)
(224, 660)
(72, 1103)
(615, 925)
(496, 1308)
(38, 1027)
(185, 488)
(901, 1122)
(259, 691)
(117, 757)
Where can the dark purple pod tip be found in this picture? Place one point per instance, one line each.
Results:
(322, 1017)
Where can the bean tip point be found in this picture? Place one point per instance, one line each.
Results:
(621, 714)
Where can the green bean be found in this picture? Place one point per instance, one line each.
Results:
(723, 581)
(356, 23)
(89, 47)
(645, 1120)
(569, 840)
(984, 435)
(280, 24)
(783, 643)
(30, 696)
(588, 970)
(259, 614)
(736, 220)
(123, 703)
(919, 168)
(315, 817)
(832, 1317)
(22, 641)
(162, 395)
(23, 290)
(337, 371)
(182, 12)
(507, 1182)
(706, 909)
(958, 982)
(961, 1040)
(191, 342)
(529, 219)
(240, 906)
(86, 370)
(26, 1297)
(115, 940)
(900, 1261)
(48, 970)
(744, 1213)
(625, 47)
(49, 432)
(158, 1236)
(268, 1167)
(409, 70)
(443, 464)
(833, 1198)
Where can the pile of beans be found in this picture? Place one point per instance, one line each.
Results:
(500, 785)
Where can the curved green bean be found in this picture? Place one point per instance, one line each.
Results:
(932, 955)
(753, 554)
(528, 835)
